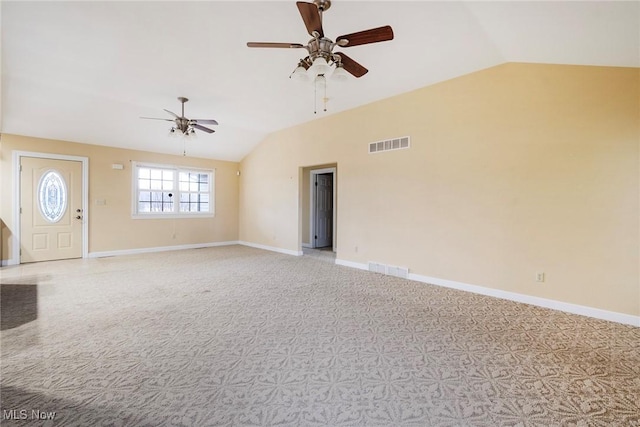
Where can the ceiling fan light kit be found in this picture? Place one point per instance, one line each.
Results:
(321, 60)
(319, 66)
(300, 74)
(339, 75)
(189, 134)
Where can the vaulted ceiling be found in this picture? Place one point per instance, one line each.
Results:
(87, 71)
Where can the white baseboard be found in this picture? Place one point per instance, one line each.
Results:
(307, 245)
(271, 248)
(159, 249)
(566, 307)
(103, 254)
(596, 313)
(352, 264)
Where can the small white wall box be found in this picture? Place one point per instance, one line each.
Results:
(117, 166)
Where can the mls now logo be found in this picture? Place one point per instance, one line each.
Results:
(14, 414)
(23, 414)
(42, 415)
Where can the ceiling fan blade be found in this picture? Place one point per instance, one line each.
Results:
(270, 44)
(155, 118)
(311, 17)
(173, 114)
(352, 66)
(373, 35)
(203, 128)
(206, 121)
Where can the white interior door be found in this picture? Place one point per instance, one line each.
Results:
(324, 210)
(50, 209)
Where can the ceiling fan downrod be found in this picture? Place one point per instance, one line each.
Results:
(182, 99)
(322, 5)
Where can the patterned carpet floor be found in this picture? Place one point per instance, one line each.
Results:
(236, 336)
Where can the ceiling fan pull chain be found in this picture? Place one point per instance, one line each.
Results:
(325, 97)
(315, 97)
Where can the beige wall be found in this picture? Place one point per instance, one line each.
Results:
(513, 170)
(111, 227)
(517, 169)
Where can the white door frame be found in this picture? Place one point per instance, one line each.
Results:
(312, 209)
(17, 156)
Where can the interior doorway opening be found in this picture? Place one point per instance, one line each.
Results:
(319, 211)
(322, 210)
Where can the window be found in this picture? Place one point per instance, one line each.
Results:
(52, 196)
(169, 191)
(194, 191)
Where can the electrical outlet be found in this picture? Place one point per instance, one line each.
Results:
(539, 277)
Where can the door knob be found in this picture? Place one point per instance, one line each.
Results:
(78, 217)
(78, 210)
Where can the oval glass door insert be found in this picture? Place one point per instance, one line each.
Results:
(52, 196)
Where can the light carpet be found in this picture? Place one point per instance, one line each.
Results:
(243, 337)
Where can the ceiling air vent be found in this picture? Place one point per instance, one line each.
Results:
(389, 144)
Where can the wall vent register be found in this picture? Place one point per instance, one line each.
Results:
(389, 270)
(389, 144)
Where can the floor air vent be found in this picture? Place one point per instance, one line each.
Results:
(377, 268)
(389, 270)
(389, 144)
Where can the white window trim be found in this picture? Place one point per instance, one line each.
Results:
(174, 215)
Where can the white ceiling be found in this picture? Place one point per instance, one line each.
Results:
(86, 71)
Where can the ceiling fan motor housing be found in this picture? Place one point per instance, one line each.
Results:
(320, 47)
(182, 124)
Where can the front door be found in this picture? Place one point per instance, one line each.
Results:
(50, 209)
(324, 210)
